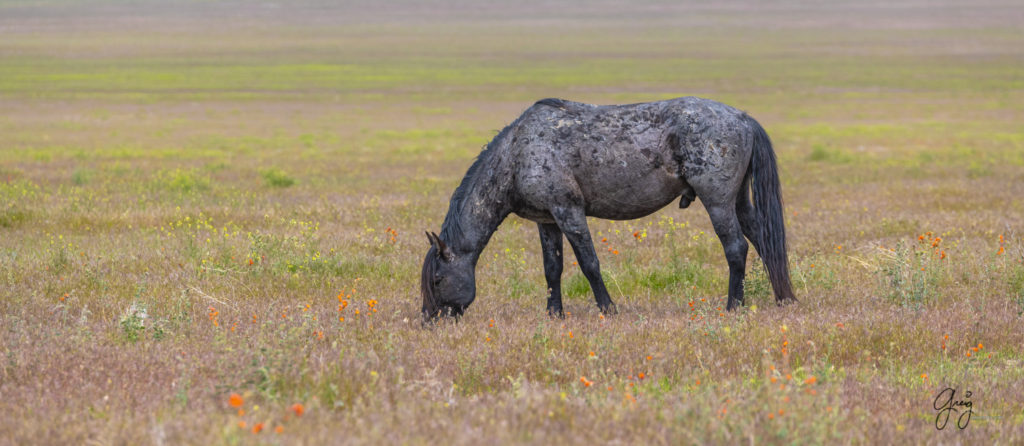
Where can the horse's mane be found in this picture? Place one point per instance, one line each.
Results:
(427, 280)
(452, 228)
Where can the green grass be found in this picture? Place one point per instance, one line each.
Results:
(275, 177)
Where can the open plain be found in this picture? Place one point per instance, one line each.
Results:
(206, 199)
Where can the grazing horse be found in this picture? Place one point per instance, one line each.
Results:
(562, 161)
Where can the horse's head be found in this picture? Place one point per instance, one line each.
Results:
(448, 283)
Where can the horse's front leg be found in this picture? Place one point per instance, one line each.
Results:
(573, 223)
(551, 245)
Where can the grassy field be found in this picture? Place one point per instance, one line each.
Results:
(200, 199)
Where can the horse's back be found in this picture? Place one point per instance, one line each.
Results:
(621, 161)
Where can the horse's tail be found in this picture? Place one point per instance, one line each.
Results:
(767, 195)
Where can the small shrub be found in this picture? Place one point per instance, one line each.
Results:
(133, 322)
(908, 276)
(60, 260)
(821, 153)
(1016, 282)
(275, 177)
(756, 287)
(184, 181)
(576, 286)
(13, 216)
(81, 176)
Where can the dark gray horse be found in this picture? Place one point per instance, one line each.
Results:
(562, 161)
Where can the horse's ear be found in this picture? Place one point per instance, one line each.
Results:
(442, 250)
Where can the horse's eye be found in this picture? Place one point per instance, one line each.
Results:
(437, 280)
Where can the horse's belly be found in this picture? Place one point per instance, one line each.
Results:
(625, 195)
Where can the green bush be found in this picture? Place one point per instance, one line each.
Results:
(275, 177)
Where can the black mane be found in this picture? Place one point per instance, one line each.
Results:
(427, 281)
(451, 228)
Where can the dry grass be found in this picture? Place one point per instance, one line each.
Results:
(190, 203)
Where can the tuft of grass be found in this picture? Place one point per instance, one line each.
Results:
(908, 275)
(13, 216)
(133, 322)
(275, 177)
(82, 176)
(1016, 283)
(823, 153)
(183, 181)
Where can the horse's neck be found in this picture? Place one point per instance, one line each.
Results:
(484, 209)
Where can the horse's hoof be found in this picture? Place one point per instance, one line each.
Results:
(610, 309)
(786, 301)
(556, 313)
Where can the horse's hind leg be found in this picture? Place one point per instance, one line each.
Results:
(551, 245)
(573, 223)
(727, 226)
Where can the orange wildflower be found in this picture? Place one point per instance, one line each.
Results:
(279, 429)
(257, 428)
(298, 409)
(810, 380)
(235, 400)
(640, 375)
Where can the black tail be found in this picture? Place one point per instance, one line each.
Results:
(768, 204)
